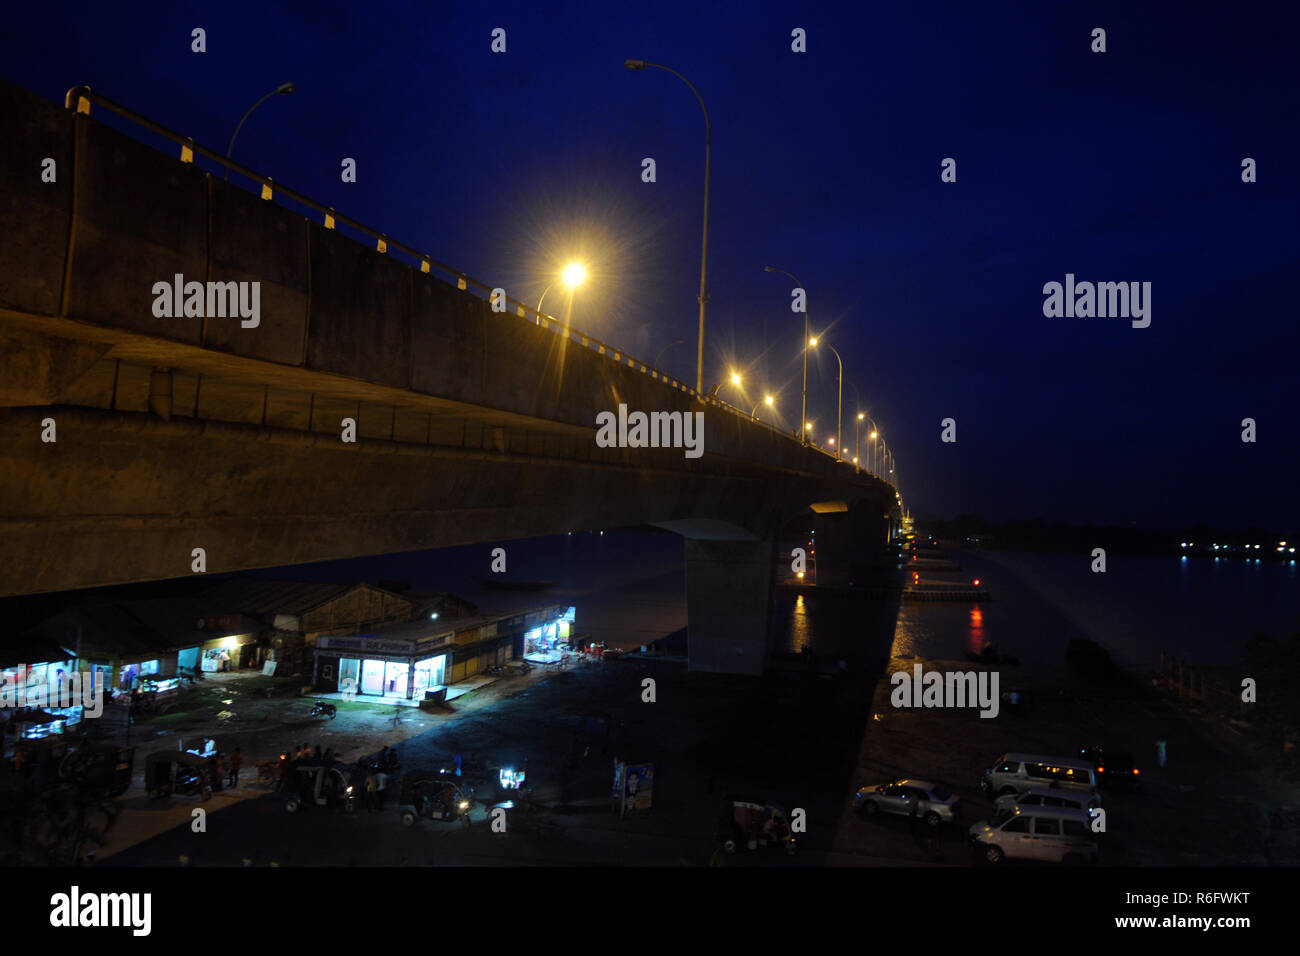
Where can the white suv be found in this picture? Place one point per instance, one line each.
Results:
(1014, 772)
(1040, 834)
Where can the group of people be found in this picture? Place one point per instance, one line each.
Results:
(377, 775)
(374, 774)
(225, 771)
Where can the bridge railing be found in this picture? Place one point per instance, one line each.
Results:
(80, 98)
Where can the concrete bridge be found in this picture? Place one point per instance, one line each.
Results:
(128, 439)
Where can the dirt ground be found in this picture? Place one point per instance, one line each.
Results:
(804, 740)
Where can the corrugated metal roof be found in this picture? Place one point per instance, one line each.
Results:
(268, 596)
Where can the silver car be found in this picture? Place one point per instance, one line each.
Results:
(1048, 797)
(931, 802)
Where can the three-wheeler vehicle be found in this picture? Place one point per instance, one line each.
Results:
(178, 771)
(318, 785)
(433, 794)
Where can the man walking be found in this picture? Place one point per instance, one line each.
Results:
(236, 761)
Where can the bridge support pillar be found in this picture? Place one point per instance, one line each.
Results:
(728, 604)
(851, 547)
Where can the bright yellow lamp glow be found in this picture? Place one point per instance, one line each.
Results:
(574, 274)
(735, 378)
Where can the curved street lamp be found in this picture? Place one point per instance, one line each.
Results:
(767, 400)
(803, 411)
(284, 89)
(665, 349)
(840, 402)
(704, 247)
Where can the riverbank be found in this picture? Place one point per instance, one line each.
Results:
(1209, 806)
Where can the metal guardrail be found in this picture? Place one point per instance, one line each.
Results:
(80, 98)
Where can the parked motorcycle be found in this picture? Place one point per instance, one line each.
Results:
(324, 708)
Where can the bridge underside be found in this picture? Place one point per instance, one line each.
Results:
(128, 440)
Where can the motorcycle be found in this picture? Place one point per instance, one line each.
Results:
(324, 708)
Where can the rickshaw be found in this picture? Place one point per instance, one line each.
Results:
(319, 785)
(102, 767)
(178, 771)
(750, 823)
(436, 795)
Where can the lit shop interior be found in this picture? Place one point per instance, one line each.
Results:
(550, 641)
(30, 698)
(389, 678)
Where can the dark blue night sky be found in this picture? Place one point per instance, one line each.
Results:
(1122, 166)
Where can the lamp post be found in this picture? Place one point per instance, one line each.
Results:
(857, 438)
(767, 400)
(803, 411)
(284, 89)
(573, 275)
(704, 248)
(665, 349)
(840, 401)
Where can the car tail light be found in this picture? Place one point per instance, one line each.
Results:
(1135, 771)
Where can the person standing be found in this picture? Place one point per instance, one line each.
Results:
(236, 761)
(1161, 748)
(370, 789)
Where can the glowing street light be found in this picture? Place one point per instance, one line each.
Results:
(839, 408)
(857, 434)
(572, 275)
(767, 400)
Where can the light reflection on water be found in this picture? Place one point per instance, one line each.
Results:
(800, 626)
(1197, 609)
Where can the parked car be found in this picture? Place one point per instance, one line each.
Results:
(931, 802)
(1113, 767)
(1049, 797)
(1041, 834)
(1014, 772)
